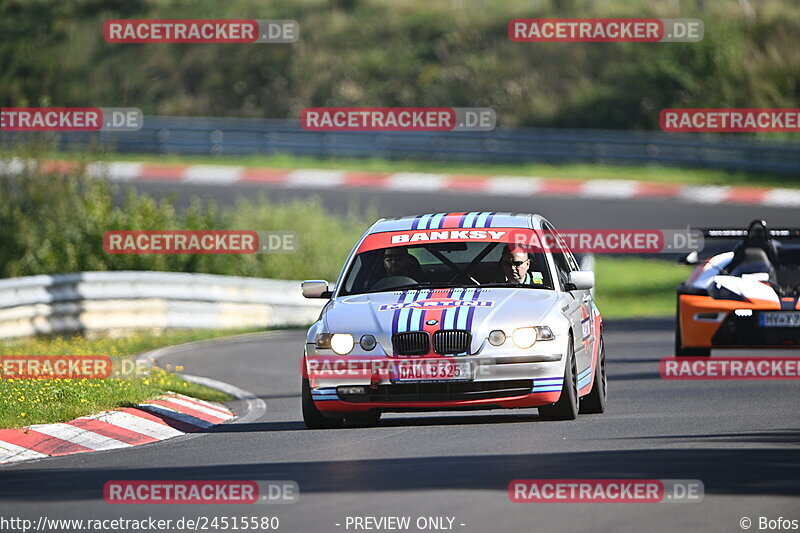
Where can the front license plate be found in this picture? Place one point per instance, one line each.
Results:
(783, 319)
(432, 371)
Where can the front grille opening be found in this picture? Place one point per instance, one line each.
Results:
(451, 341)
(432, 392)
(411, 343)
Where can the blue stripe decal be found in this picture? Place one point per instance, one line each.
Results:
(413, 315)
(481, 221)
(461, 318)
(423, 222)
(421, 312)
(469, 219)
(461, 220)
(489, 220)
(402, 314)
(448, 321)
(415, 223)
(396, 315)
(443, 316)
(471, 313)
(436, 221)
(546, 389)
(467, 315)
(403, 321)
(585, 372)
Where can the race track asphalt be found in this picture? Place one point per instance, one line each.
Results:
(740, 438)
(565, 212)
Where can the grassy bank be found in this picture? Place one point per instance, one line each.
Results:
(628, 288)
(40, 401)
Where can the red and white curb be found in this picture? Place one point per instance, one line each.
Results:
(169, 415)
(429, 183)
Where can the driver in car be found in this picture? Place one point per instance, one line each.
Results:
(515, 265)
(398, 262)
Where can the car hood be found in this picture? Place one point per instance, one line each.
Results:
(481, 311)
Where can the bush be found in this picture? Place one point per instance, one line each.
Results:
(55, 224)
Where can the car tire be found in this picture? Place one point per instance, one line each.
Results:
(370, 418)
(680, 349)
(568, 404)
(312, 417)
(595, 402)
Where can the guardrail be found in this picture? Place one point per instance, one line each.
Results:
(238, 136)
(118, 302)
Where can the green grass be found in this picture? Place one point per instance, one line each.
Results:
(41, 401)
(582, 171)
(627, 287)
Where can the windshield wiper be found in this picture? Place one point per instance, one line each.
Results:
(424, 285)
(513, 284)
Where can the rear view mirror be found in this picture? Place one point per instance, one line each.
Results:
(579, 280)
(316, 288)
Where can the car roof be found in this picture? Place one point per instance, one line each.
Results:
(463, 220)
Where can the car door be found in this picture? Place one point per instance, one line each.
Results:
(586, 337)
(573, 304)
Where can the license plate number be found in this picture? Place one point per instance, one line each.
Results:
(785, 319)
(421, 371)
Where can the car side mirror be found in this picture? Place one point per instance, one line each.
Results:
(579, 280)
(690, 259)
(316, 288)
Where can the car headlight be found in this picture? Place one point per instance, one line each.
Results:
(527, 337)
(368, 342)
(544, 333)
(341, 343)
(497, 337)
(524, 337)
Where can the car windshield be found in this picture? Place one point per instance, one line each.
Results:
(444, 265)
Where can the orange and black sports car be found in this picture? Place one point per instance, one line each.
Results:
(744, 298)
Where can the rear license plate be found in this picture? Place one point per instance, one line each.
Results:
(432, 371)
(783, 319)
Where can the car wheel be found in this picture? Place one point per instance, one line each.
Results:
(680, 349)
(312, 417)
(595, 401)
(566, 408)
(370, 418)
